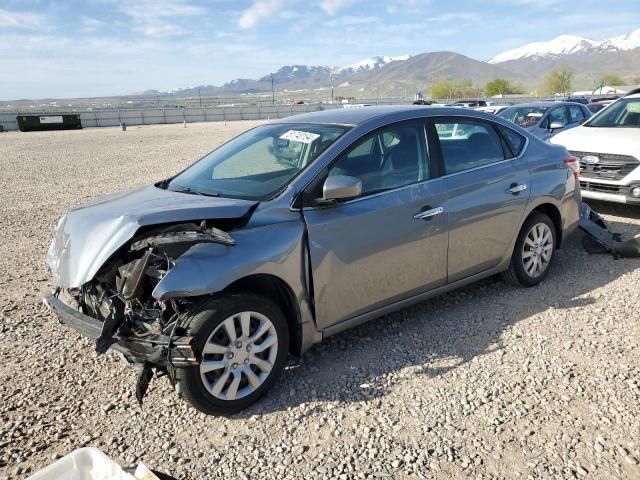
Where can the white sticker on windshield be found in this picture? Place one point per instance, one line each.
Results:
(534, 114)
(298, 136)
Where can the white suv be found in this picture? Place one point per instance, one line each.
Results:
(608, 148)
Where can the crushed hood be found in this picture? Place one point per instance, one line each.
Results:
(88, 235)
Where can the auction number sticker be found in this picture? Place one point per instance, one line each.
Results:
(298, 136)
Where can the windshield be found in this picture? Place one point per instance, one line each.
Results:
(624, 113)
(523, 116)
(259, 163)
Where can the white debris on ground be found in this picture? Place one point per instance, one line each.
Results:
(486, 382)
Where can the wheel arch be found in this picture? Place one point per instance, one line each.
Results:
(277, 290)
(553, 212)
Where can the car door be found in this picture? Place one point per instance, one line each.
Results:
(487, 188)
(556, 114)
(387, 244)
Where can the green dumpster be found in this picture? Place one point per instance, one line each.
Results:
(49, 121)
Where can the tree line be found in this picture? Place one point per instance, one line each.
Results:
(558, 81)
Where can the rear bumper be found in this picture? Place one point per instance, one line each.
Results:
(158, 350)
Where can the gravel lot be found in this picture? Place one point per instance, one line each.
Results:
(486, 382)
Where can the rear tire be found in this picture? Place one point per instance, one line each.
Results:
(533, 252)
(242, 341)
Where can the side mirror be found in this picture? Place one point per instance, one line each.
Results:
(341, 187)
(556, 125)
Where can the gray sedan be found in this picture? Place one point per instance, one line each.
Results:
(545, 119)
(301, 228)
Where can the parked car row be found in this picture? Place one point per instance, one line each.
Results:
(608, 148)
(603, 134)
(545, 119)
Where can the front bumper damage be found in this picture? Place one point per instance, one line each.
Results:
(600, 239)
(155, 351)
(159, 350)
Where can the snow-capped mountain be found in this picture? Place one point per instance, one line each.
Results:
(371, 63)
(569, 45)
(626, 42)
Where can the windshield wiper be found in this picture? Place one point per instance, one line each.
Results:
(191, 191)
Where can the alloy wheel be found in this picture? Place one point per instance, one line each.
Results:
(537, 250)
(239, 355)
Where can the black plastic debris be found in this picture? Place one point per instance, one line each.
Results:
(600, 239)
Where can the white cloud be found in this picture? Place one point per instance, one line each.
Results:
(350, 20)
(159, 29)
(158, 18)
(90, 24)
(408, 6)
(259, 11)
(19, 19)
(145, 9)
(333, 7)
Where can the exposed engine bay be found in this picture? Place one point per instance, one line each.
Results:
(120, 296)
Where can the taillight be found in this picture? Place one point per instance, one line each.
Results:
(573, 163)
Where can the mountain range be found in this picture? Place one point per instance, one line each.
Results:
(388, 76)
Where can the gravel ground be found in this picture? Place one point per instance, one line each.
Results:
(486, 382)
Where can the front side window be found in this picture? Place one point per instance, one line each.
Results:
(557, 115)
(467, 144)
(524, 116)
(390, 158)
(575, 113)
(624, 113)
(259, 163)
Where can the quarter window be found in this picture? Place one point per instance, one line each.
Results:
(467, 144)
(390, 158)
(514, 140)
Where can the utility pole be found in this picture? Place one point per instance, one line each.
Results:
(200, 96)
(273, 92)
(331, 77)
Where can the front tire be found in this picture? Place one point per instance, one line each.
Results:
(533, 252)
(243, 342)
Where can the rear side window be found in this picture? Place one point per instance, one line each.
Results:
(514, 140)
(467, 144)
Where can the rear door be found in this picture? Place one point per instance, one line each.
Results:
(389, 243)
(487, 188)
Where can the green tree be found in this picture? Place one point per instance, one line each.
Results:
(501, 86)
(558, 81)
(442, 88)
(611, 79)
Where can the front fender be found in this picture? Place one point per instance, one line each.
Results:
(208, 268)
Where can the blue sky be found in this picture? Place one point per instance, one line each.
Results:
(56, 48)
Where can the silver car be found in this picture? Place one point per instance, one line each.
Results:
(301, 228)
(546, 119)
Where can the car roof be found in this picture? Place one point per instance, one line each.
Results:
(549, 103)
(360, 116)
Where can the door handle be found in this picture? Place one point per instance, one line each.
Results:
(428, 213)
(516, 188)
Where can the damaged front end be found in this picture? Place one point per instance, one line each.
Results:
(117, 308)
